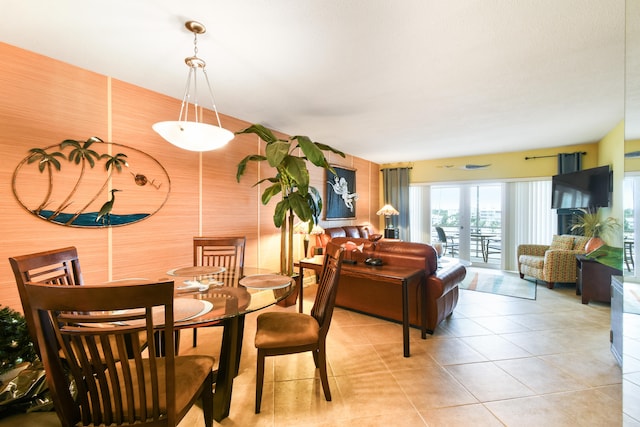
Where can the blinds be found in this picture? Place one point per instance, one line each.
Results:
(531, 218)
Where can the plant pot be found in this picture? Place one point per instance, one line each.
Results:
(593, 244)
(293, 296)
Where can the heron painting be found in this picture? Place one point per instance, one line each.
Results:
(105, 211)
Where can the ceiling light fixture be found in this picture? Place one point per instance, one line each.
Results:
(194, 135)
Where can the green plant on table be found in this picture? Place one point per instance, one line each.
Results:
(592, 224)
(291, 181)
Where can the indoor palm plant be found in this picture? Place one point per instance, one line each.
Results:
(593, 225)
(291, 181)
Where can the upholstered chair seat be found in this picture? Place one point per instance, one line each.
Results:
(286, 330)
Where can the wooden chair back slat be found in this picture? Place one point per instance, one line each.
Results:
(324, 302)
(227, 252)
(56, 267)
(92, 325)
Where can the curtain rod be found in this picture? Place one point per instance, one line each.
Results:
(390, 169)
(553, 155)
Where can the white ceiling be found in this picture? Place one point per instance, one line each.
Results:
(388, 81)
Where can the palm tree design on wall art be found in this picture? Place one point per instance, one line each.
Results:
(75, 193)
(45, 160)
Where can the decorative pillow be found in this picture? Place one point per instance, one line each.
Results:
(562, 243)
(580, 242)
(352, 251)
(351, 246)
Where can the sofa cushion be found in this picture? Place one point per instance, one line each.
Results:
(352, 231)
(561, 242)
(533, 261)
(334, 232)
(580, 242)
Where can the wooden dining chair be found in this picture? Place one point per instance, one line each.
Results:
(54, 267)
(59, 267)
(82, 333)
(288, 332)
(227, 252)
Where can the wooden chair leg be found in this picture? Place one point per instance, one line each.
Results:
(322, 361)
(259, 380)
(207, 401)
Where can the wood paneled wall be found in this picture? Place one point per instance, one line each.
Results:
(44, 101)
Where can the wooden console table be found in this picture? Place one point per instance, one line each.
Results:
(385, 273)
(593, 279)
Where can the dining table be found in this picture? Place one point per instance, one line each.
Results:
(210, 295)
(483, 240)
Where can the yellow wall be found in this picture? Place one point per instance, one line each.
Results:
(44, 101)
(611, 152)
(502, 165)
(632, 164)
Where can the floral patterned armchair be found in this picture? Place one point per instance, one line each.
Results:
(555, 263)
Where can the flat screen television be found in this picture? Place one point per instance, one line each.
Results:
(588, 188)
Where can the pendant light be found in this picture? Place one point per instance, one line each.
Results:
(194, 135)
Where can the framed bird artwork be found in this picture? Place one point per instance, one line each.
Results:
(341, 193)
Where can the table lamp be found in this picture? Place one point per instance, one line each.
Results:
(303, 228)
(388, 211)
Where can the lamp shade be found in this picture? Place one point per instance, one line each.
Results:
(387, 210)
(303, 228)
(193, 136)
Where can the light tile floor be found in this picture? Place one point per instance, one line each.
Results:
(498, 361)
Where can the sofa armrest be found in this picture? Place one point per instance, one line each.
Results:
(555, 257)
(560, 265)
(444, 279)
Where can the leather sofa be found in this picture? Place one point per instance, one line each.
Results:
(554, 263)
(354, 231)
(383, 299)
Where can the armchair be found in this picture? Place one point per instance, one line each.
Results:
(554, 263)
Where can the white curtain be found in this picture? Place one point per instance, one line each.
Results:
(420, 214)
(530, 218)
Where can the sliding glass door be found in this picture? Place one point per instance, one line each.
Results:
(470, 216)
(485, 222)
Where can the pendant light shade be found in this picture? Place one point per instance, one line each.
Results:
(194, 135)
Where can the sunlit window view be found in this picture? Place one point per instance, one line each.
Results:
(469, 220)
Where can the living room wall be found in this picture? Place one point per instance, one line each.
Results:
(44, 101)
(531, 164)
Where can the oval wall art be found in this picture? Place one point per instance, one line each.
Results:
(90, 184)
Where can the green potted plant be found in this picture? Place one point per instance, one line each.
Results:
(291, 181)
(15, 342)
(593, 225)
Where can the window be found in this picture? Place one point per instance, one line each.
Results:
(489, 219)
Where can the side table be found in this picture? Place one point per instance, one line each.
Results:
(593, 279)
